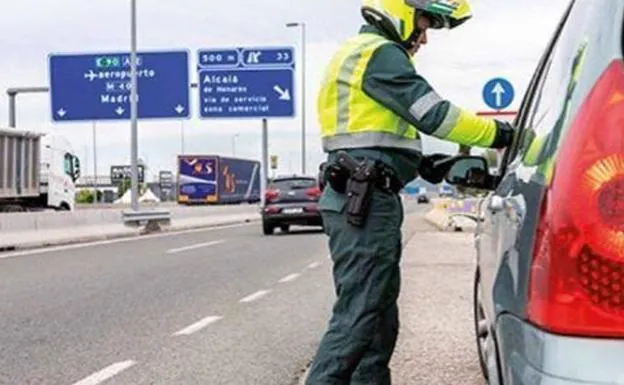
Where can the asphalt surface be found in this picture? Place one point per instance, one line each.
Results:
(223, 306)
(437, 344)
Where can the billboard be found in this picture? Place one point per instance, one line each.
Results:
(119, 173)
(197, 177)
(165, 179)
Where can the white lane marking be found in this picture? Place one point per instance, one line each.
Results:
(106, 373)
(257, 295)
(196, 246)
(313, 265)
(289, 278)
(119, 240)
(197, 326)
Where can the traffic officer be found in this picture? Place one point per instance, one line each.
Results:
(372, 106)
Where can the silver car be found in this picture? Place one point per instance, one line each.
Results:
(549, 278)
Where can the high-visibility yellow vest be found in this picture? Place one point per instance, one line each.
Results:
(348, 117)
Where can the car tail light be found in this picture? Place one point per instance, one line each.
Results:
(271, 195)
(577, 273)
(313, 192)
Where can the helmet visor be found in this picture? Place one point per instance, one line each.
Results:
(443, 13)
(444, 8)
(418, 4)
(438, 13)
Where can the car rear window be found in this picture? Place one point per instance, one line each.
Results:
(293, 183)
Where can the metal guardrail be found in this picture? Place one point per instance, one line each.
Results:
(152, 220)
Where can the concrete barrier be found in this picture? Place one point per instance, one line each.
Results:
(81, 234)
(34, 230)
(439, 218)
(13, 222)
(453, 214)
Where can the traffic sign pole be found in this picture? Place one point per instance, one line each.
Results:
(12, 93)
(95, 175)
(265, 160)
(134, 142)
(182, 139)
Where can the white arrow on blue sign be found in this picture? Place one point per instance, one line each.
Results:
(498, 93)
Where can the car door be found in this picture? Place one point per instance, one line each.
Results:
(503, 211)
(565, 76)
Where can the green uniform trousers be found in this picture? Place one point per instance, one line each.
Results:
(357, 347)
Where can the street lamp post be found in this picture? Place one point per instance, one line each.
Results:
(182, 128)
(303, 93)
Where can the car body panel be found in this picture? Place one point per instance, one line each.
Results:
(291, 205)
(534, 357)
(307, 214)
(588, 38)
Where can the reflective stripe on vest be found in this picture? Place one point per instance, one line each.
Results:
(351, 119)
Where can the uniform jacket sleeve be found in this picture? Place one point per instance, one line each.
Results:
(392, 81)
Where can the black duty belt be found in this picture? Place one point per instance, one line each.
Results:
(387, 179)
(356, 177)
(342, 168)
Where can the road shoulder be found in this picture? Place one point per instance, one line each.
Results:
(436, 342)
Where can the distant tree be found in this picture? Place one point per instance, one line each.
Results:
(86, 196)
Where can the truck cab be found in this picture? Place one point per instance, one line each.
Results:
(60, 168)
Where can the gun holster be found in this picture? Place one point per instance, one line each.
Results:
(357, 180)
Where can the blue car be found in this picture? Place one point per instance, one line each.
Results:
(549, 278)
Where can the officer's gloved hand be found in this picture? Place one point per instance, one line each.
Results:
(428, 170)
(505, 134)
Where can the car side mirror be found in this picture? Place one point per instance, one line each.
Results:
(470, 172)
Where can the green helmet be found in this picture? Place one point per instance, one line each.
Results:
(398, 17)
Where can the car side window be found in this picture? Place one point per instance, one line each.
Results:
(530, 100)
(556, 97)
(293, 184)
(68, 166)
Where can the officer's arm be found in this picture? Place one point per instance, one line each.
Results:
(391, 80)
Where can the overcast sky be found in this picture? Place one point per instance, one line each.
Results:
(505, 38)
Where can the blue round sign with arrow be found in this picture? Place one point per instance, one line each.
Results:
(498, 93)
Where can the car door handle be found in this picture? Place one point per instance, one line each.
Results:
(496, 204)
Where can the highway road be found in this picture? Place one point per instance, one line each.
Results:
(219, 306)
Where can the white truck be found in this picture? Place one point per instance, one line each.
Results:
(37, 171)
